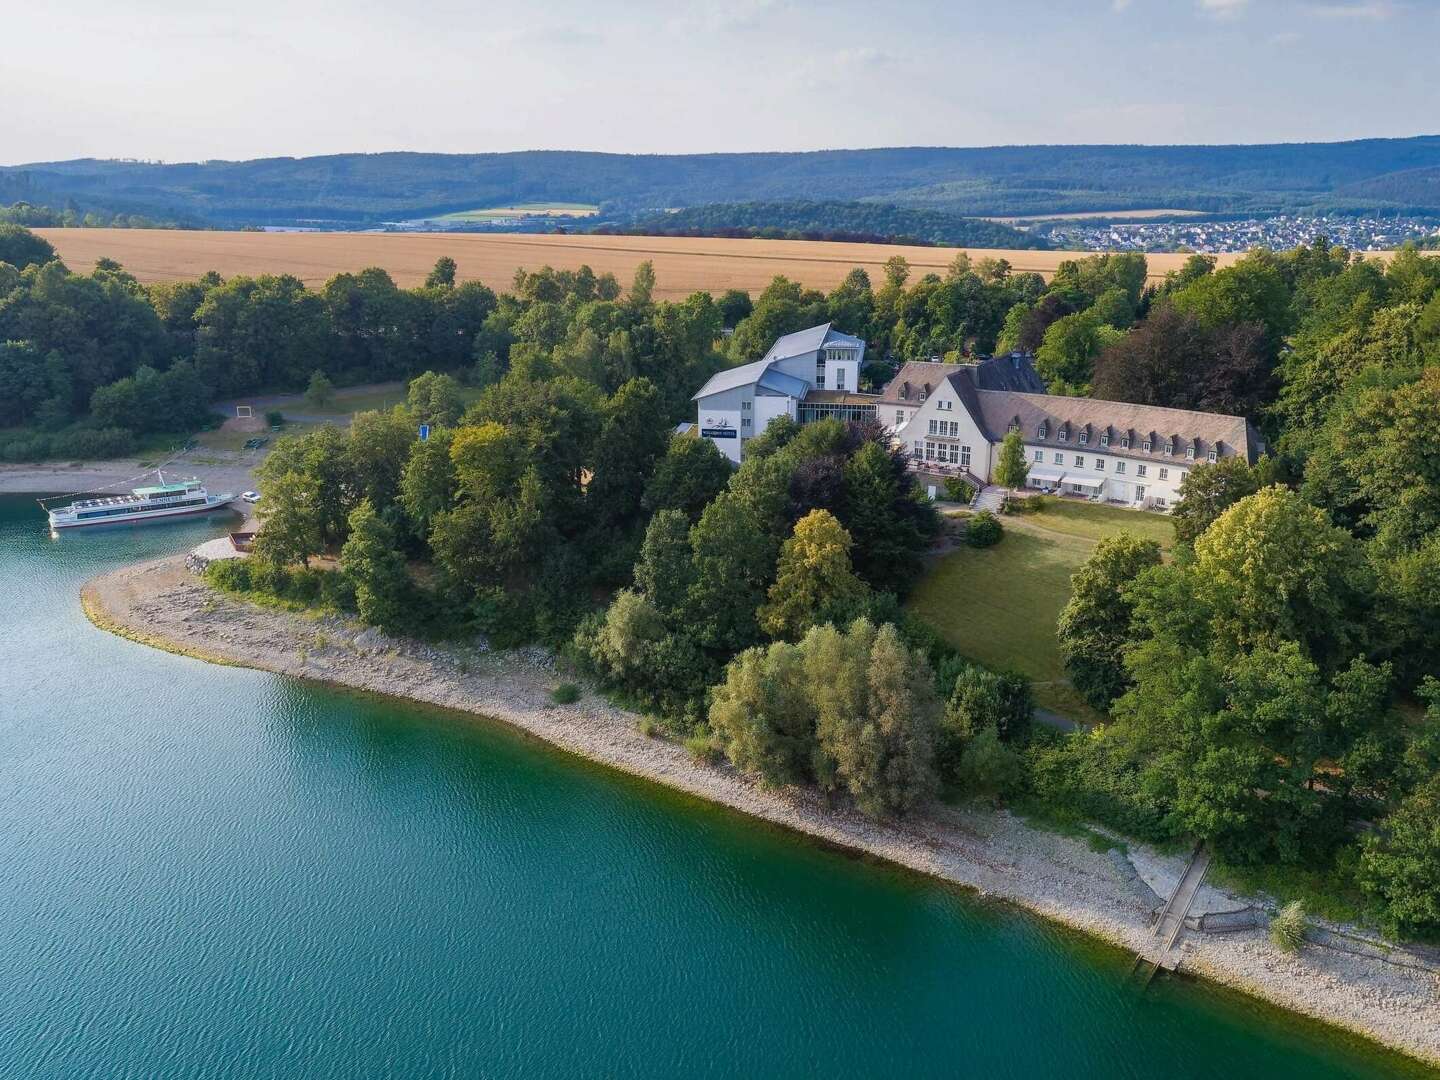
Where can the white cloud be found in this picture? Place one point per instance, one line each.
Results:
(1371, 9)
(1223, 9)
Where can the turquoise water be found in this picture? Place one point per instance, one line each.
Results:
(208, 872)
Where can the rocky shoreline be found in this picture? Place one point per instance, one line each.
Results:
(163, 605)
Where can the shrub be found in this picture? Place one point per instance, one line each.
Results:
(565, 694)
(231, 575)
(984, 530)
(702, 747)
(93, 443)
(275, 418)
(1287, 928)
(958, 490)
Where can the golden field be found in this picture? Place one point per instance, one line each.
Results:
(682, 265)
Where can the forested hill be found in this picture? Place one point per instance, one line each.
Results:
(1373, 174)
(855, 221)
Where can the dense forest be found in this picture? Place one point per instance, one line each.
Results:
(1371, 175)
(1271, 685)
(844, 221)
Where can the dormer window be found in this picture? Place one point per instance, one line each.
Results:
(1145, 446)
(1104, 438)
(924, 391)
(1210, 457)
(1169, 447)
(1124, 442)
(1084, 437)
(1190, 454)
(1040, 432)
(1063, 434)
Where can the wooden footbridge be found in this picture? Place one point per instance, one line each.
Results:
(1163, 949)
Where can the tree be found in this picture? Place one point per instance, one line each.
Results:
(1208, 490)
(887, 518)
(734, 559)
(1094, 625)
(642, 287)
(1066, 358)
(428, 484)
(289, 529)
(814, 575)
(897, 271)
(436, 400)
(1272, 567)
(692, 472)
(763, 716)
(665, 570)
(374, 566)
(321, 391)
(980, 700)
(1400, 862)
(443, 274)
(988, 768)
(21, 248)
(875, 720)
(1011, 467)
(378, 446)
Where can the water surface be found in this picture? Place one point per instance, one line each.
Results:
(209, 872)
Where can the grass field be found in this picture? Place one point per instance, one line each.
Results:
(999, 605)
(682, 265)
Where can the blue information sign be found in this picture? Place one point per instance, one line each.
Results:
(424, 432)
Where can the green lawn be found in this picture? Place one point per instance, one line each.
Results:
(999, 605)
(1095, 521)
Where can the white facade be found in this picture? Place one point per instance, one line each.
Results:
(1082, 471)
(739, 403)
(941, 430)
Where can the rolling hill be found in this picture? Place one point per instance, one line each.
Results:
(1371, 174)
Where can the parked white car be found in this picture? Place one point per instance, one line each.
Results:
(251, 496)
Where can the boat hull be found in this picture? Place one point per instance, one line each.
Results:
(142, 515)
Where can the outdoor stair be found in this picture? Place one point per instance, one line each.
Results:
(990, 498)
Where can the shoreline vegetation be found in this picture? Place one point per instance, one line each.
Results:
(163, 605)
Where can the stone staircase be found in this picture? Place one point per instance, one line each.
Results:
(989, 498)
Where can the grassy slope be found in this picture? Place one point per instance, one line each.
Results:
(999, 605)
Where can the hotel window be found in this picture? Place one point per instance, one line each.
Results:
(819, 376)
(744, 406)
(1119, 468)
(933, 422)
(1210, 457)
(1141, 470)
(1145, 446)
(840, 378)
(919, 449)
(1059, 459)
(945, 406)
(1164, 474)
(954, 429)
(899, 417)
(1040, 432)
(1062, 435)
(1169, 447)
(1104, 438)
(744, 421)
(1079, 462)
(1190, 453)
(965, 456)
(1099, 464)
(1125, 442)
(1084, 437)
(1039, 457)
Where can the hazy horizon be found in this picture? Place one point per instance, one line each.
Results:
(194, 81)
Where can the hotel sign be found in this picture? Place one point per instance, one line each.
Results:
(717, 429)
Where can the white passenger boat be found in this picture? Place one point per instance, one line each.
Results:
(142, 504)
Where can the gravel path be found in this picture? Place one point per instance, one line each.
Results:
(221, 471)
(162, 604)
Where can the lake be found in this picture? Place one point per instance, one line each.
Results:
(209, 872)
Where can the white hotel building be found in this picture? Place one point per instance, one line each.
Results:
(951, 418)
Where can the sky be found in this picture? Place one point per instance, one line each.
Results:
(190, 80)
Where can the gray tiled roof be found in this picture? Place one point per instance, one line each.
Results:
(905, 388)
(1226, 435)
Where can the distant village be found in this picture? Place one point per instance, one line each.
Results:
(1279, 233)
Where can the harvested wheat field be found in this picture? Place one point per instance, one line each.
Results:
(682, 265)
